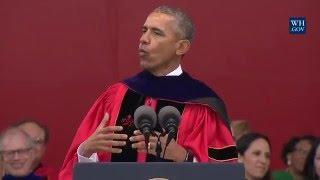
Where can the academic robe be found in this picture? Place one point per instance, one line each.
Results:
(48, 173)
(31, 176)
(40, 173)
(204, 126)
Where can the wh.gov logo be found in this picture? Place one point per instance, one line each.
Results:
(297, 25)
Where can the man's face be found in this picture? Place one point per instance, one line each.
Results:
(37, 135)
(17, 156)
(159, 43)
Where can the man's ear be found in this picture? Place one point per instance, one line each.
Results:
(183, 47)
(240, 158)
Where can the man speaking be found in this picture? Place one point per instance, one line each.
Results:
(108, 132)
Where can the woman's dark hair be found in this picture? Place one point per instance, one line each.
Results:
(244, 143)
(309, 169)
(290, 146)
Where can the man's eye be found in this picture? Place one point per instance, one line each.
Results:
(158, 33)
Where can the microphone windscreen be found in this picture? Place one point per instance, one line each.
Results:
(168, 112)
(145, 113)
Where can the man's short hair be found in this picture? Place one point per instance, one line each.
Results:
(185, 24)
(12, 130)
(26, 120)
(239, 128)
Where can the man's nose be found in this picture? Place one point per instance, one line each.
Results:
(16, 155)
(145, 38)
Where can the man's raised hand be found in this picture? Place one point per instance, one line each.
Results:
(104, 139)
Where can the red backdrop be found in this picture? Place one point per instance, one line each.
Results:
(58, 56)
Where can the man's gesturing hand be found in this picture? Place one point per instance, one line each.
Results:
(174, 151)
(104, 139)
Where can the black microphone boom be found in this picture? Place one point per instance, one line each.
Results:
(169, 119)
(145, 120)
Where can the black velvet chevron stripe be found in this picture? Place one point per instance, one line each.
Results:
(223, 154)
(130, 103)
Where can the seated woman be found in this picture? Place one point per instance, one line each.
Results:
(294, 154)
(254, 151)
(312, 167)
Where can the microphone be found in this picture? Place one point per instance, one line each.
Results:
(145, 120)
(169, 119)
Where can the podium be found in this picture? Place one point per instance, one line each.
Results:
(158, 171)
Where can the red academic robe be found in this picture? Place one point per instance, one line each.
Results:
(201, 130)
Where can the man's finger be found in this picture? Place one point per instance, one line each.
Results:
(136, 138)
(137, 132)
(112, 136)
(142, 138)
(104, 120)
(115, 150)
(109, 143)
(119, 136)
(139, 145)
(110, 129)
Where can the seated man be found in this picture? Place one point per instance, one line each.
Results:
(40, 136)
(18, 154)
(1, 169)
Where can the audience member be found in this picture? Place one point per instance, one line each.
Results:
(39, 133)
(254, 151)
(239, 128)
(312, 166)
(1, 169)
(18, 154)
(294, 155)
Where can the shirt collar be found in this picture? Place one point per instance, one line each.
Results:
(176, 72)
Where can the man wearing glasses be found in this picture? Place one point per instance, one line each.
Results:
(18, 154)
(39, 133)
